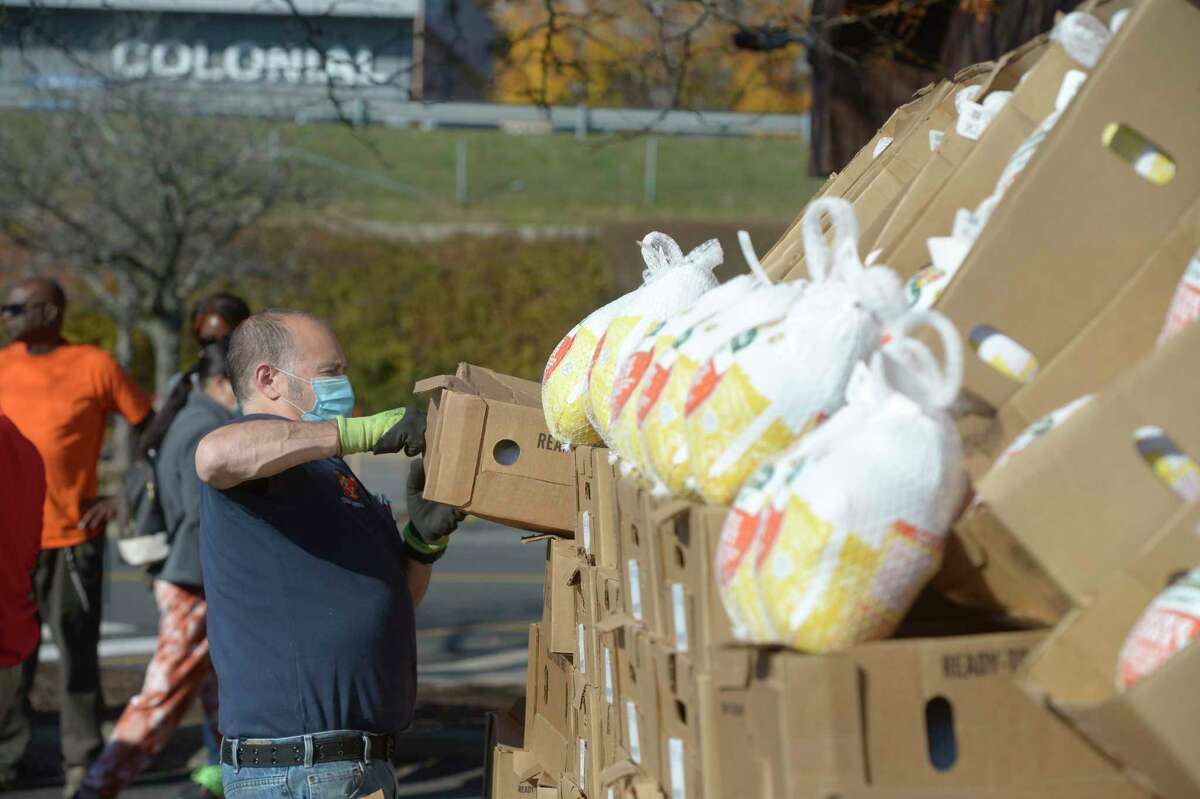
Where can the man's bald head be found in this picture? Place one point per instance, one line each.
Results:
(34, 310)
(274, 353)
(44, 289)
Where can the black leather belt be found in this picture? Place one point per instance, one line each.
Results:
(326, 748)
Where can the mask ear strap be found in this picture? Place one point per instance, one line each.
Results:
(296, 377)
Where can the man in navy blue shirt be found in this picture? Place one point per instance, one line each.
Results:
(310, 586)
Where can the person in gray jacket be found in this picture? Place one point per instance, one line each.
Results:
(181, 669)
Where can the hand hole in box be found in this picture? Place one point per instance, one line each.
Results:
(633, 533)
(587, 491)
(939, 733)
(1171, 464)
(545, 685)
(681, 711)
(506, 452)
(680, 560)
(1003, 354)
(1146, 158)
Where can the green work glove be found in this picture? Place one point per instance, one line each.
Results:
(377, 433)
(408, 434)
(431, 522)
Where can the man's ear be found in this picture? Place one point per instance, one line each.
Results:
(264, 381)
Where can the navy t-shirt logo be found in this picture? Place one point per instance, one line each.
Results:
(349, 489)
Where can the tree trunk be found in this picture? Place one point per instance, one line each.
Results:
(163, 331)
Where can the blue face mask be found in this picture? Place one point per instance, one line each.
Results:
(334, 398)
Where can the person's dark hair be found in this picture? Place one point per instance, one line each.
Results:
(262, 338)
(213, 359)
(57, 295)
(230, 307)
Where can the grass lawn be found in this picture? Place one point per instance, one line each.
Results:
(555, 178)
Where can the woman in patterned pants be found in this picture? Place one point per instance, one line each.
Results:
(181, 669)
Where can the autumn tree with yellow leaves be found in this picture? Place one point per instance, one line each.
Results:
(664, 54)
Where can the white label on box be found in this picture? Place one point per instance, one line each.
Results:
(583, 762)
(582, 651)
(586, 525)
(635, 590)
(608, 676)
(635, 746)
(679, 606)
(880, 146)
(611, 793)
(935, 139)
(973, 120)
(678, 778)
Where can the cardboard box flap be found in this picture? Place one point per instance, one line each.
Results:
(618, 771)
(1094, 190)
(1125, 331)
(1156, 736)
(453, 460)
(1087, 481)
(974, 73)
(1153, 728)
(824, 720)
(489, 452)
(472, 379)
(786, 255)
(1016, 62)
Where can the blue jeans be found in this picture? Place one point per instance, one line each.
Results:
(347, 779)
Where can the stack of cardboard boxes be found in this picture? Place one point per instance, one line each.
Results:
(1002, 680)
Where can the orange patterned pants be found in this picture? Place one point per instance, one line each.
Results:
(179, 672)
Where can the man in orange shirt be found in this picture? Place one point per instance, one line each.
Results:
(59, 395)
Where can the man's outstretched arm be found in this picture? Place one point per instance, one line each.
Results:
(238, 453)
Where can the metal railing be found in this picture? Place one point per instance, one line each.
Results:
(382, 107)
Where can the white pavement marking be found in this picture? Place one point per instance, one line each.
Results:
(493, 679)
(112, 647)
(493, 660)
(506, 667)
(108, 629)
(438, 785)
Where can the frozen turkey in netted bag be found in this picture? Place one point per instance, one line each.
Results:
(661, 399)
(773, 383)
(750, 516)
(1185, 303)
(672, 282)
(565, 379)
(1040, 428)
(859, 524)
(635, 373)
(1169, 624)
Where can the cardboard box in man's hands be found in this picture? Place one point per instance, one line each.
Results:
(488, 452)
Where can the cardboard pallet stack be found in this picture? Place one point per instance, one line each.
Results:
(1002, 680)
